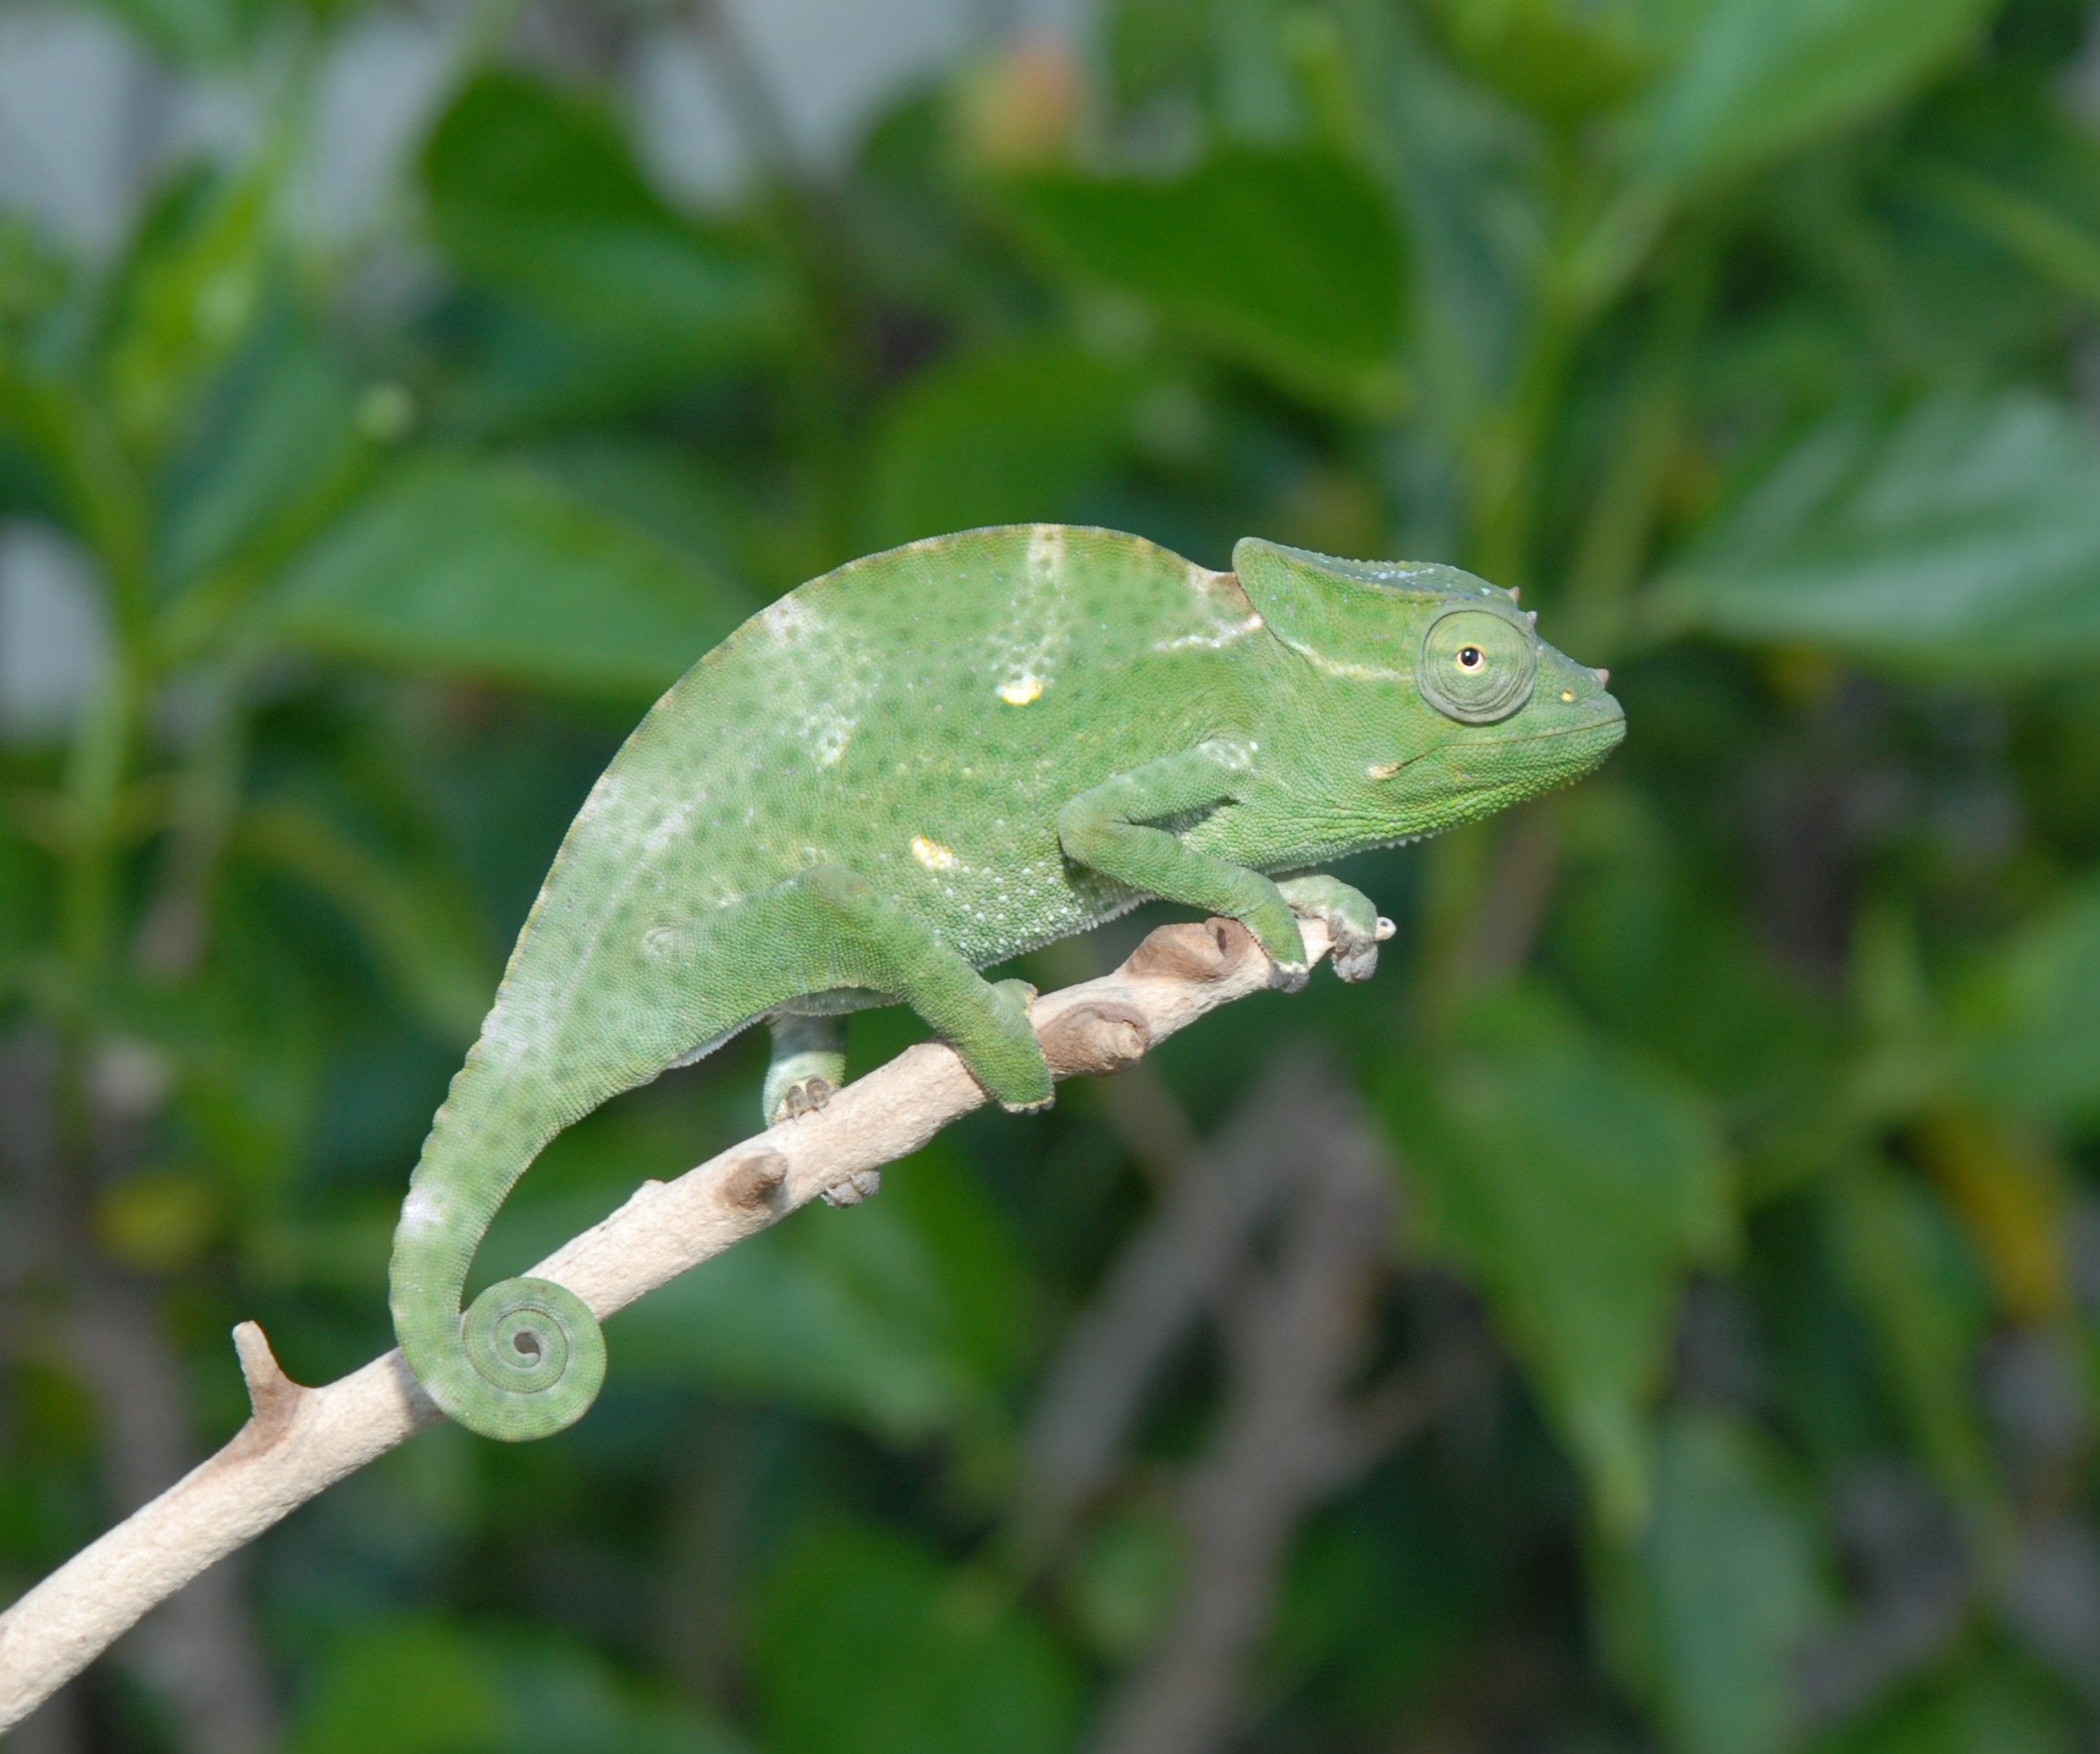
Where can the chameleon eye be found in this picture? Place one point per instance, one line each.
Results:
(1476, 666)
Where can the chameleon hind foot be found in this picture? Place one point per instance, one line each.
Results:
(847, 935)
(804, 1097)
(1017, 997)
(807, 1068)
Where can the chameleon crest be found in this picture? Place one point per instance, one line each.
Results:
(926, 762)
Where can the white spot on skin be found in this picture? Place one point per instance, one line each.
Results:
(602, 797)
(818, 656)
(421, 1210)
(1039, 623)
(931, 854)
(1354, 672)
(1211, 641)
(672, 825)
(785, 614)
(512, 1030)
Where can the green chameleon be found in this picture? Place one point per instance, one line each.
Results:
(931, 761)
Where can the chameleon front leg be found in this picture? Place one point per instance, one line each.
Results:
(828, 928)
(808, 1064)
(1105, 828)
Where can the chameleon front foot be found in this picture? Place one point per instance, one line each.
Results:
(862, 1185)
(1352, 919)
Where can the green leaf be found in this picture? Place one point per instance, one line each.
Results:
(1964, 536)
(191, 290)
(1561, 58)
(1288, 261)
(660, 487)
(1017, 435)
(426, 1686)
(1757, 78)
(278, 428)
(2005, 159)
(535, 193)
(2030, 1018)
(487, 569)
(1981, 1706)
(1906, 1267)
(1576, 1186)
(418, 1686)
(421, 935)
(1712, 1608)
(940, 1663)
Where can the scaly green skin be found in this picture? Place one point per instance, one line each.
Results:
(929, 761)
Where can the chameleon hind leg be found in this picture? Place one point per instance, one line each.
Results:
(808, 1064)
(830, 927)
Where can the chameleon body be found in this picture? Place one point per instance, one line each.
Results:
(929, 761)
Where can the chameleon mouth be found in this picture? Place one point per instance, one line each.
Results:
(1609, 727)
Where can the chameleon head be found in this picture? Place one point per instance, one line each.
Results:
(1440, 702)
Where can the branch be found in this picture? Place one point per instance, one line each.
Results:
(300, 1441)
(1280, 1447)
(1187, 1257)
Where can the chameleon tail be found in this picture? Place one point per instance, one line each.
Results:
(527, 1359)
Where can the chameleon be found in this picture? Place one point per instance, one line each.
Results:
(922, 764)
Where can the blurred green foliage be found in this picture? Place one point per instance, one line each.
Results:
(1749, 1095)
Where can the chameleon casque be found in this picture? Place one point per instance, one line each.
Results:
(929, 761)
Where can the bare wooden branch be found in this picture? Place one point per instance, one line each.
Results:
(300, 1441)
(1279, 1449)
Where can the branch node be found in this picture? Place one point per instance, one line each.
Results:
(1187, 951)
(754, 1181)
(1100, 1036)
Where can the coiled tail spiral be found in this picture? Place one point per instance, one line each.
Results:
(527, 1358)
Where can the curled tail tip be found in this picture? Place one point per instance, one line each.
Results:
(528, 1362)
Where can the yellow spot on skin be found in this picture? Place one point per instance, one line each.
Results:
(1383, 770)
(1567, 694)
(931, 854)
(1021, 690)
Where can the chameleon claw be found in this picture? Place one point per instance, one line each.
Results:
(852, 1190)
(804, 1097)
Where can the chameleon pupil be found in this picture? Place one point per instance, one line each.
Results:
(1470, 657)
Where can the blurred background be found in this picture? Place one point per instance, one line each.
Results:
(1659, 1313)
